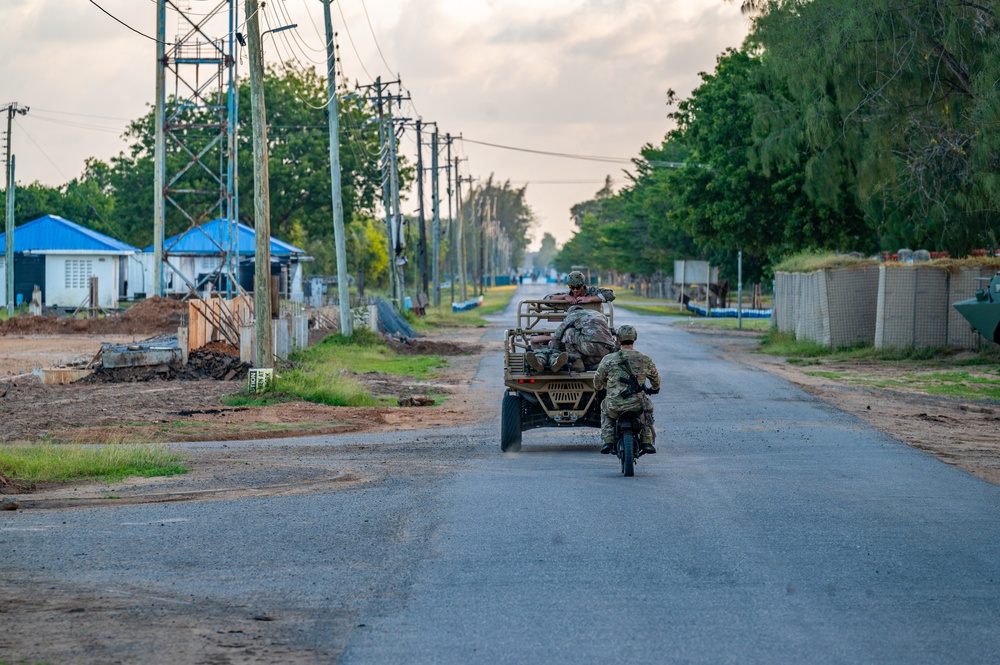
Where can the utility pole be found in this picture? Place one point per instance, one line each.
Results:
(436, 221)
(159, 148)
(9, 237)
(261, 194)
(386, 193)
(11, 109)
(460, 210)
(422, 246)
(481, 203)
(398, 239)
(452, 242)
(335, 182)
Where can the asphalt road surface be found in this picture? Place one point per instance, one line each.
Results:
(770, 528)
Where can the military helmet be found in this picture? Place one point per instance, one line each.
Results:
(575, 279)
(627, 333)
(573, 308)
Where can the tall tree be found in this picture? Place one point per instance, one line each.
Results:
(898, 103)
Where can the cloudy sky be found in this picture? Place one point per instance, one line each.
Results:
(584, 77)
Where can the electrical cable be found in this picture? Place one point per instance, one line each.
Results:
(353, 45)
(565, 155)
(78, 125)
(112, 228)
(142, 34)
(370, 28)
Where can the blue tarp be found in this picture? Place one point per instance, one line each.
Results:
(391, 322)
(467, 305)
(729, 312)
(52, 233)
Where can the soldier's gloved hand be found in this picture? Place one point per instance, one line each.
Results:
(651, 391)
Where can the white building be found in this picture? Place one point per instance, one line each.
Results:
(60, 257)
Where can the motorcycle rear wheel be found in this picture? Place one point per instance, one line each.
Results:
(626, 452)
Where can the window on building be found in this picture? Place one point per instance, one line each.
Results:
(78, 273)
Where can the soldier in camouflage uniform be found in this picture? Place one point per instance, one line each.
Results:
(583, 338)
(611, 375)
(580, 293)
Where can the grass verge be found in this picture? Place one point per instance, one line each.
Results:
(326, 373)
(495, 299)
(946, 372)
(34, 463)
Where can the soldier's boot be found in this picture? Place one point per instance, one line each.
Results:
(608, 448)
(560, 362)
(534, 362)
(578, 366)
(647, 446)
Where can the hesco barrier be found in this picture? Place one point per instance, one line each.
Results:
(915, 306)
(834, 307)
(897, 305)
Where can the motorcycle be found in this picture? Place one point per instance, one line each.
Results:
(628, 437)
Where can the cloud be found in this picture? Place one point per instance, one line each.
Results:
(579, 76)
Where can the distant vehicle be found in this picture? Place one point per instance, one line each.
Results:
(545, 399)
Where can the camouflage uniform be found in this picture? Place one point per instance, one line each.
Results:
(606, 295)
(585, 335)
(611, 374)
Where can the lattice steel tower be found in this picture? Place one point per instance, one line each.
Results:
(196, 114)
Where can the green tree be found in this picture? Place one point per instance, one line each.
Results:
(546, 252)
(897, 106)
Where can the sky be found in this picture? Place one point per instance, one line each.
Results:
(581, 77)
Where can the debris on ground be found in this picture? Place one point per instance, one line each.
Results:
(202, 364)
(148, 317)
(415, 400)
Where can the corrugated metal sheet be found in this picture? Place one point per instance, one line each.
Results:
(210, 236)
(53, 233)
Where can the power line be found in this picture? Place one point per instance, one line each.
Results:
(565, 155)
(142, 34)
(370, 28)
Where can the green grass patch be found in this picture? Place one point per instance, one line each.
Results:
(326, 373)
(35, 463)
(495, 299)
(828, 375)
(785, 344)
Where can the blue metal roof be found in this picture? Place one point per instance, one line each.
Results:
(210, 236)
(53, 233)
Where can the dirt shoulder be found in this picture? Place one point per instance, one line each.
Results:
(960, 432)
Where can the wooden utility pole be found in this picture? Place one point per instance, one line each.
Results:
(436, 223)
(335, 182)
(397, 257)
(460, 210)
(9, 237)
(264, 356)
(11, 109)
(422, 246)
(452, 242)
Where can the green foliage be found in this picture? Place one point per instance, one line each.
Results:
(546, 252)
(896, 110)
(116, 197)
(110, 463)
(507, 207)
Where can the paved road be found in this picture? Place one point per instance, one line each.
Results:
(769, 529)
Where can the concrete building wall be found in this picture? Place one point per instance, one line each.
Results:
(67, 279)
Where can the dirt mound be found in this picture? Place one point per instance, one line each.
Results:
(150, 317)
(202, 364)
(417, 347)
